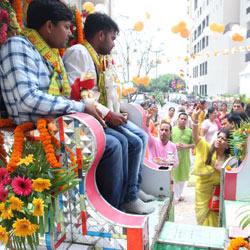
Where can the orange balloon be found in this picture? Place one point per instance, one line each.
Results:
(213, 26)
(184, 33)
(159, 61)
(135, 79)
(145, 81)
(125, 92)
(236, 37)
(220, 28)
(139, 26)
(241, 38)
(182, 25)
(131, 90)
(175, 29)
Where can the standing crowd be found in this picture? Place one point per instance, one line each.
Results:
(199, 130)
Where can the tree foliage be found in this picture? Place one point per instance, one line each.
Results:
(166, 83)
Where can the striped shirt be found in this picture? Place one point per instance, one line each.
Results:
(24, 80)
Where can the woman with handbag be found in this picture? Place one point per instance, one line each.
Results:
(207, 166)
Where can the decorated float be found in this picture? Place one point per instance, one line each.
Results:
(49, 197)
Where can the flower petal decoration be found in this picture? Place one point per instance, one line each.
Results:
(5, 213)
(4, 235)
(4, 177)
(23, 227)
(3, 193)
(40, 184)
(15, 203)
(39, 207)
(21, 186)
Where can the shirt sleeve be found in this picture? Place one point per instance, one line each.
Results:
(200, 166)
(76, 61)
(151, 139)
(20, 65)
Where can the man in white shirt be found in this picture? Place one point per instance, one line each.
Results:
(100, 32)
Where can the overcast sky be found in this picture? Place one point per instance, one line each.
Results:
(163, 14)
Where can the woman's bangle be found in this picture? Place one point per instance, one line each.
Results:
(196, 124)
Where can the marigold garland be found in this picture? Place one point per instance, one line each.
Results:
(18, 145)
(79, 27)
(4, 123)
(17, 5)
(46, 140)
(61, 51)
(235, 244)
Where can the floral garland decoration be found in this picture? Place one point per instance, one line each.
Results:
(79, 28)
(235, 244)
(18, 145)
(4, 123)
(17, 5)
(47, 143)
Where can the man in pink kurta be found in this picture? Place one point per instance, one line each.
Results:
(160, 147)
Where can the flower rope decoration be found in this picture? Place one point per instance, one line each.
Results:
(46, 139)
(18, 145)
(79, 27)
(17, 5)
(235, 244)
(4, 123)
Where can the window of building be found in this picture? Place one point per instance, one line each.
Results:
(203, 42)
(200, 89)
(205, 70)
(247, 59)
(195, 4)
(206, 41)
(248, 10)
(207, 20)
(200, 10)
(194, 49)
(200, 69)
(199, 30)
(203, 24)
(207, 2)
(205, 89)
(195, 34)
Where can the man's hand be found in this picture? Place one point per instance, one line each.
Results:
(91, 110)
(149, 114)
(117, 119)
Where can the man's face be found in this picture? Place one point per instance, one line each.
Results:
(226, 124)
(182, 121)
(164, 132)
(108, 43)
(237, 106)
(204, 106)
(60, 34)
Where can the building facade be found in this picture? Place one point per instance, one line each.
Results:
(217, 63)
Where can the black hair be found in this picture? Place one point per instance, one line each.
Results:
(240, 102)
(165, 122)
(171, 108)
(248, 110)
(234, 118)
(202, 102)
(212, 150)
(210, 111)
(242, 115)
(183, 113)
(40, 11)
(223, 104)
(99, 21)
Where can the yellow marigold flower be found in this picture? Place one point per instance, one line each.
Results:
(4, 236)
(5, 213)
(22, 227)
(228, 168)
(34, 227)
(39, 207)
(40, 184)
(15, 203)
(27, 160)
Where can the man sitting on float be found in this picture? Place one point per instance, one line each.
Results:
(34, 84)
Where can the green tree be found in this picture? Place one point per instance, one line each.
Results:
(166, 83)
